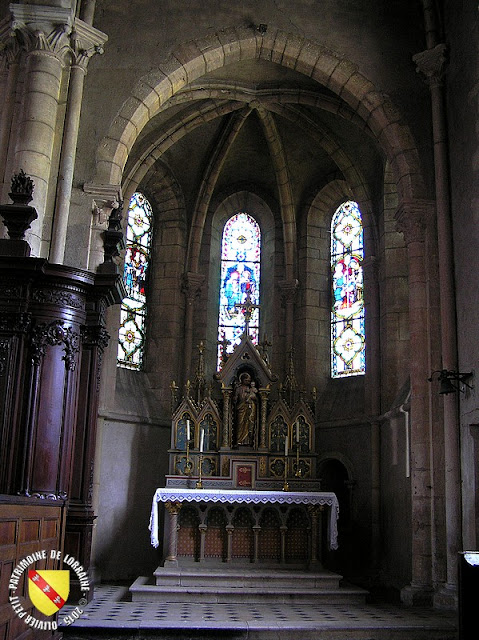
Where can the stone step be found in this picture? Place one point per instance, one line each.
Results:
(254, 578)
(142, 591)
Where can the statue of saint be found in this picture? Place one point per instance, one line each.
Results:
(245, 402)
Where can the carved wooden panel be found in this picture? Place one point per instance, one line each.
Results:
(25, 527)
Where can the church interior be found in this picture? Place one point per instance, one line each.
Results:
(233, 294)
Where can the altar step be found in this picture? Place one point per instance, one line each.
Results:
(221, 586)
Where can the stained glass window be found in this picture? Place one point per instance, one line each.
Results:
(347, 309)
(131, 341)
(240, 278)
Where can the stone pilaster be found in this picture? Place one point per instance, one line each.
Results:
(412, 220)
(288, 290)
(192, 288)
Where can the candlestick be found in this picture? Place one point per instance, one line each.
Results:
(199, 483)
(298, 472)
(188, 463)
(286, 445)
(202, 439)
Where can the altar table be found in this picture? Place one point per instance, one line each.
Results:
(173, 498)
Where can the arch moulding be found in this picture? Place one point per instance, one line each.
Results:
(198, 57)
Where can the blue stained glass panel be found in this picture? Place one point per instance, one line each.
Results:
(348, 339)
(239, 278)
(131, 341)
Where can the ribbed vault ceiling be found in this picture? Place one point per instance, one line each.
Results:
(273, 111)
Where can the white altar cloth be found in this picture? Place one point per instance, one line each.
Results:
(320, 498)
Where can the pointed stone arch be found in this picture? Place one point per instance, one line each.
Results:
(198, 57)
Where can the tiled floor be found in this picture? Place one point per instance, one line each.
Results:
(110, 610)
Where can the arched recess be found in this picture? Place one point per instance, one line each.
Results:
(165, 303)
(336, 473)
(315, 273)
(190, 62)
(248, 202)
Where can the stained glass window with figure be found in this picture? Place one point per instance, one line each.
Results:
(131, 343)
(239, 280)
(347, 308)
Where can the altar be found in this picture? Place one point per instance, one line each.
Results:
(284, 527)
(242, 487)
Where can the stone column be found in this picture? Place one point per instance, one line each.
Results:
(203, 529)
(288, 290)
(412, 219)
(43, 33)
(229, 552)
(173, 509)
(11, 61)
(86, 41)
(192, 286)
(313, 511)
(256, 530)
(283, 529)
(431, 64)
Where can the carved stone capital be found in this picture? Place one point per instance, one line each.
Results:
(431, 64)
(49, 29)
(173, 508)
(9, 45)
(288, 290)
(192, 285)
(41, 28)
(412, 219)
(86, 41)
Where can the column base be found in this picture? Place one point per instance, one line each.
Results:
(171, 562)
(446, 598)
(417, 595)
